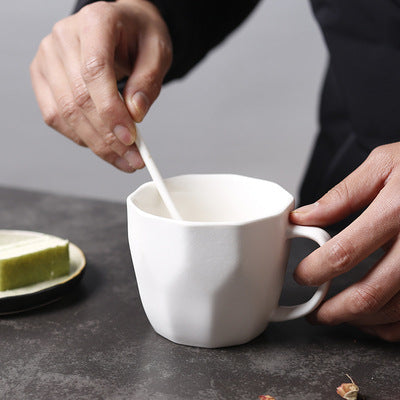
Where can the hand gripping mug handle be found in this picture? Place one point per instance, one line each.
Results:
(285, 313)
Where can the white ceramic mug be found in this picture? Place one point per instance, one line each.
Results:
(215, 278)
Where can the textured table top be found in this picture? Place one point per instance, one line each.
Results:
(96, 343)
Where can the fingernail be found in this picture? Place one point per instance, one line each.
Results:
(306, 209)
(134, 159)
(123, 165)
(124, 135)
(141, 103)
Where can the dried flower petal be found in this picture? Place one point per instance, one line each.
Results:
(266, 397)
(348, 391)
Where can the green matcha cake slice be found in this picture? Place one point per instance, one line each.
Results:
(25, 260)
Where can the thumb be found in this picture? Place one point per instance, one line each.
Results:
(355, 192)
(143, 86)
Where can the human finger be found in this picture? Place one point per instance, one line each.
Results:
(67, 48)
(388, 332)
(377, 225)
(70, 118)
(48, 106)
(153, 60)
(389, 313)
(353, 193)
(374, 299)
(97, 70)
(372, 229)
(98, 136)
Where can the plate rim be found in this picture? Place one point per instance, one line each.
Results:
(68, 278)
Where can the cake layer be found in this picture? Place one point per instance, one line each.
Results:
(28, 260)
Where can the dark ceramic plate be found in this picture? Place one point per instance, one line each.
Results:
(42, 293)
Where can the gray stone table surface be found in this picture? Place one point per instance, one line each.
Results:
(96, 343)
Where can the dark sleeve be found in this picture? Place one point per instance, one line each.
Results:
(196, 27)
(363, 38)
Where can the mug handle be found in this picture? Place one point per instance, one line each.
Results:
(286, 313)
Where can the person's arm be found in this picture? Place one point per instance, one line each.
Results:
(364, 86)
(373, 303)
(76, 69)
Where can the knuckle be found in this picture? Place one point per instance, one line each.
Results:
(68, 108)
(98, 14)
(339, 257)
(339, 194)
(96, 11)
(365, 300)
(101, 149)
(382, 161)
(81, 95)
(50, 117)
(59, 30)
(76, 139)
(381, 155)
(341, 191)
(110, 140)
(107, 109)
(93, 68)
(45, 44)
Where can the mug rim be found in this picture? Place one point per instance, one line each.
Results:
(130, 203)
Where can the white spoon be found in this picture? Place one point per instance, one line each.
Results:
(156, 176)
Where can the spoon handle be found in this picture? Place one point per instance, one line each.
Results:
(156, 176)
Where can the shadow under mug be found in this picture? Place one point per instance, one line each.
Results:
(214, 279)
